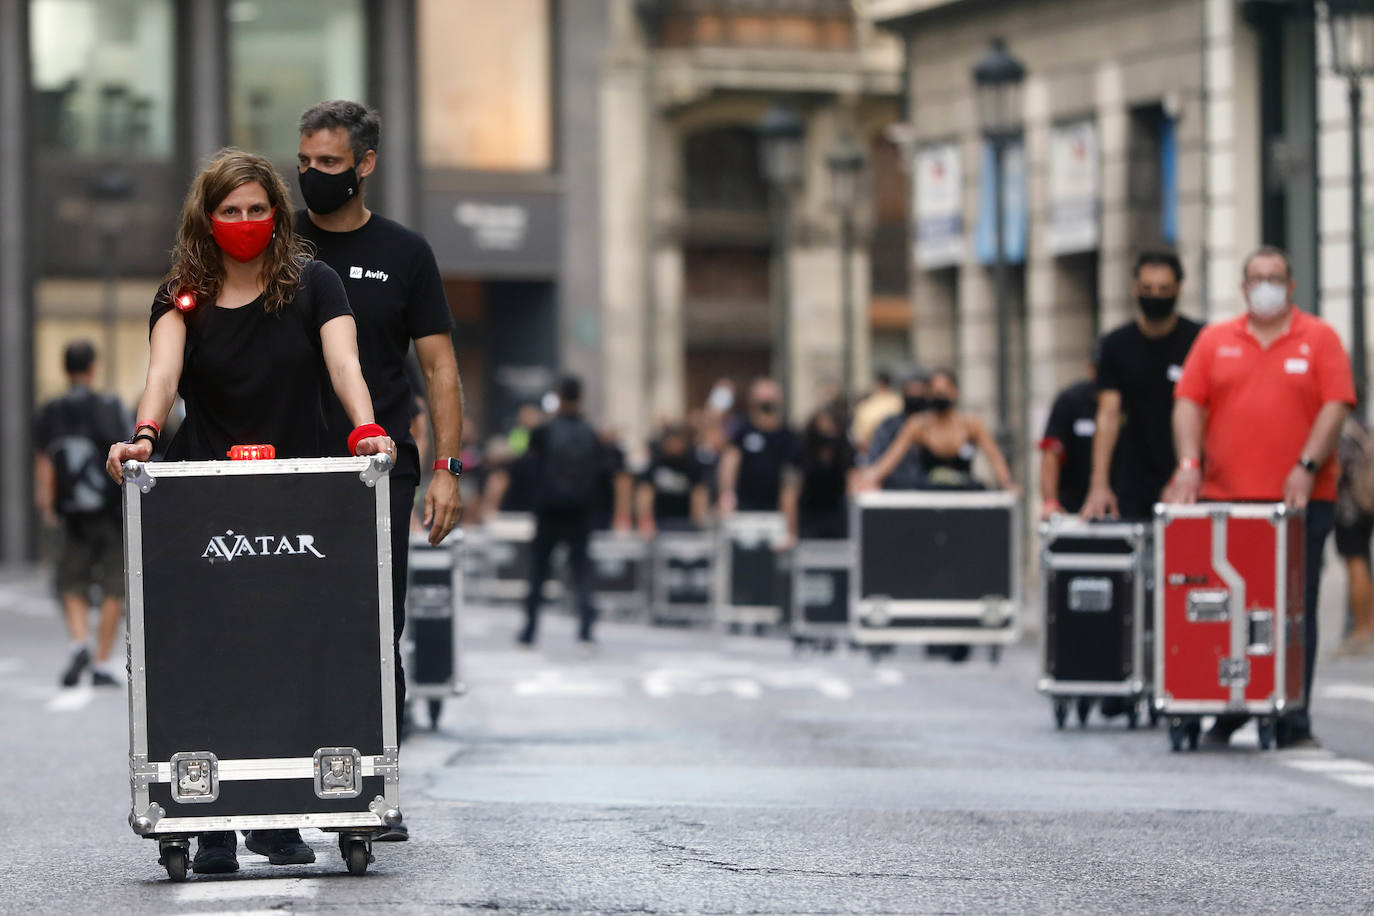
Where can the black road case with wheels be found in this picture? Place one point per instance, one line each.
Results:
(1097, 631)
(821, 571)
(508, 547)
(433, 600)
(683, 577)
(620, 573)
(753, 574)
(261, 669)
(936, 569)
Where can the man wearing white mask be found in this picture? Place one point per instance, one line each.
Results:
(1257, 413)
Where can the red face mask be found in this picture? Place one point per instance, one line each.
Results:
(244, 239)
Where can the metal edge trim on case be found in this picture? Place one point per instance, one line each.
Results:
(133, 644)
(972, 609)
(145, 823)
(258, 768)
(1221, 565)
(1160, 522)
(929, 499)
(273, 466)
(378, 466)
(1089, 562)
(363, 820)
(920, 636)
(382, 492)
(1053, 686)
(137, 473)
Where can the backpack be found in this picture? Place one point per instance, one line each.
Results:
(1356, 453)
(571, 463)
(84, 424)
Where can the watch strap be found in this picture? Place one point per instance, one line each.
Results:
(453, 465)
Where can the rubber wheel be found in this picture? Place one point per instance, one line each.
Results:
(995, 654)
(1061, 713)
(357, 858)
(1177, 733)
(1194, 733)
(1085, 708)
(1133, 716)
(1154, 713)
(436, 709)
(175, 861)
(1266, 734)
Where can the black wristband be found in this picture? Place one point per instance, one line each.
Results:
(152, 440)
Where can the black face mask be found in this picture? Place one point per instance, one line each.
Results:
(915, 403)
(941, 404)
(1156, 308)
(325, 193)
(767, 408)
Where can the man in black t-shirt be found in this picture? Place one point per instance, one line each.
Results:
(758, 471)
(614, 486)
(672, 493)
(1139, 365)
(72, 435)
(397, 295)
(1066, 449)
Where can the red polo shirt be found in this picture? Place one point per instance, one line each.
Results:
(1261, 404)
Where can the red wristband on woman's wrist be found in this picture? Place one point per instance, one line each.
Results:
(151, 424)
(366, 431)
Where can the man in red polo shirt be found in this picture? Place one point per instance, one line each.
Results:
(1257, 413)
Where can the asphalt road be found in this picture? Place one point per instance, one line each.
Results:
(688, 772)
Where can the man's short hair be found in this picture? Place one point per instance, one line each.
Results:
(1164, 258)
(883, 377)
(570, 389)
(1267, 251)
(78, 357)
(363, 124)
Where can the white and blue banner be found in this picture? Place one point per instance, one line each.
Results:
(1014, 204)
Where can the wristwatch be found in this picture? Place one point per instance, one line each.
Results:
(1308, 465)
(453, 465)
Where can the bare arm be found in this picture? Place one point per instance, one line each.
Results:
(497, 482)
(44, 488)
(988, 444)
(1049, 478)
(788, 501)
(166, 349)
(624, 499)
(727, 477)
(1326, 431)
(1189, 420)
(909, 436)
(339, 338)
(644, 508)
(701, 505)
(443, 500)
(1101, 501)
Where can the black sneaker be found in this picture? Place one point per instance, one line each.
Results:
(80, 660)
(398, 834)
(102, 679)
(282, 847)
(215, 854)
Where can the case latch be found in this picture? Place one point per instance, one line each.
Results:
(1209, 605)
(1233, 672)
(195, 777)
(1090, 594)
(338, 772)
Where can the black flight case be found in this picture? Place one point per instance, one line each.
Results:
(752, 573)
(434, 598)
(1097, 618)
(261, 668)
(821, 571)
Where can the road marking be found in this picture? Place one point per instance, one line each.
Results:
(889, 677)
(247, 889)
(71, 699)
(1347, 692)
(565, 684)
(1358, 780)
(10, 665)
(1331, 766)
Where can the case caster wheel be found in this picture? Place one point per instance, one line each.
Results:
(436, 709)
(995, 654)
(173, 858)
(1085, 708)
(1153, 713)
(1061, 713)
(1267, 733)
(356, 854)
(1178, 733)
(1133, 716)
(1194, 733)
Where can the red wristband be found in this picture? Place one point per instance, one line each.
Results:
(1189, 464)
(151, 424)
(366, 431)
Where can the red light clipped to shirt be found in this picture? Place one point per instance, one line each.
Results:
(253, 453)
(185, 301)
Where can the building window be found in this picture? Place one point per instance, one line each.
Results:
(285, 57)
(102, 77)
(485, 85)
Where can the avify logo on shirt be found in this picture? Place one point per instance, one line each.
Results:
(357, 273)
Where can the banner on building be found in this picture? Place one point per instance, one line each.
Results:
(939, 206)
(1075, 188)
(1013, 205)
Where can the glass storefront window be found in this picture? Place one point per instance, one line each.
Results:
(285, 57)
(102, 76)
(485, 85)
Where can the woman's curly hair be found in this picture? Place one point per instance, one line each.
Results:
(197, 262)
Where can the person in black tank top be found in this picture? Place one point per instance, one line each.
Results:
(946, 441)
(240, 328)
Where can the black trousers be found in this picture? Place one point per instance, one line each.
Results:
(402, 502)
(552, 529)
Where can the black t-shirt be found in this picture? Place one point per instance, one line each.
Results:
(825, 479)
(1072, 424)
(76, 431)
(673, 478)
(1144, 371)
(394, 287)
(763, 457)
(610, 465)
(522, 479)
(250, 378)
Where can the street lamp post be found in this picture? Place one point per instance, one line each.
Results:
(998, 77)
(1352, 56)
(846, 162)
(781, 137)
